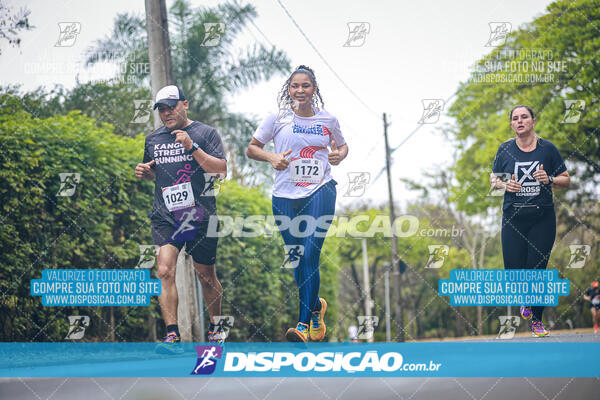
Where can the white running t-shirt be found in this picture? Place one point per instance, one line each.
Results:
(309, 139)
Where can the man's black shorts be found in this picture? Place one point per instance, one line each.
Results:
(203, 249)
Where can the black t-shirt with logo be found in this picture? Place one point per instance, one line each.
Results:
(592, 292)
(512, 160)
(173, 165)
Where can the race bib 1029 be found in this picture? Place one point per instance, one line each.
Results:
(178, 196)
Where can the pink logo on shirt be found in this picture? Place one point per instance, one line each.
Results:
(186, 174)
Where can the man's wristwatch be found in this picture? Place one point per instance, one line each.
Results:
(195, 146)
(550, 180)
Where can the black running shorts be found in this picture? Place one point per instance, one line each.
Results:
(203, 249)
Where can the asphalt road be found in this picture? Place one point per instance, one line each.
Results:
(555, 336)
(300, 388)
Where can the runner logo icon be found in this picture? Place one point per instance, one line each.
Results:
(293, 253)
(579, 254)
(77, 325)
(366, 326)
(142, 110)
(432, 109)
(207, 359)
(508, 326)
(357, 183)
(68, 183)
(148, 255)
(500, 176)
(357, 33)
(68, 33)
(498, 33)
(211, 184)
(212, 33)
(573, 111)
(437, 255)
(224, 324)
(186, 231)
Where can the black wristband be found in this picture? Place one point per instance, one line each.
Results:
(550, 180)
(195, 146)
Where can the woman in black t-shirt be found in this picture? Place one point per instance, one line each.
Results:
(532, 166)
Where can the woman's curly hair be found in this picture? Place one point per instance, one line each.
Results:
(284, 99)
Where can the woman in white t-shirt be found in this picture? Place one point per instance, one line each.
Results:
(304, 192)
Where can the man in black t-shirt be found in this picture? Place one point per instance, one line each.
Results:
(184, 157)
(592, 294)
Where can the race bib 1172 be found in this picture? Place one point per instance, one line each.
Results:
(306, 170)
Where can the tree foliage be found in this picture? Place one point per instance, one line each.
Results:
(96, 227)
(545, 64)
(550, 64)
(208, 74)
(11, 22)
(101, 226)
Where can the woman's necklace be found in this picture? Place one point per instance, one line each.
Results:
(527, 147)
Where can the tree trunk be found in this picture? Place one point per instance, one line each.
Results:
(187, 310)
(112, 323)
(399, 310)
(480, 265)
(356, 282)
(152, 325)
(460, 323)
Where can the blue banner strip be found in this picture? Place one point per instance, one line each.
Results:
(464, 359)
(501, 287)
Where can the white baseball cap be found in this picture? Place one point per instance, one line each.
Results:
(169, 96)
